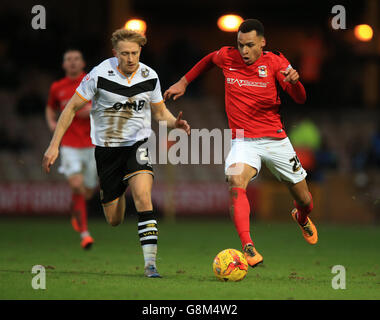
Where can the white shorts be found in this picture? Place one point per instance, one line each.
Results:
(278, 156)
(79, 160)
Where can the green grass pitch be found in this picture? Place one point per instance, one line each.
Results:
(113, 268)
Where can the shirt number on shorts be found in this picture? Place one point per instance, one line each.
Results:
(296, 163)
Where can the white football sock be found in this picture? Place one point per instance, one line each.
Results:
(150, 252)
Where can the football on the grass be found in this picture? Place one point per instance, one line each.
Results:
(230, 265)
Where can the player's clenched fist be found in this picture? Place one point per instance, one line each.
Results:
(291, 75)
(50, 156)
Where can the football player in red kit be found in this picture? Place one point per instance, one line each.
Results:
(77, 151)
(252, 77)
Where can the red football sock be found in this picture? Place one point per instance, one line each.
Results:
(239, 206)
(79, 204)
(303, 212)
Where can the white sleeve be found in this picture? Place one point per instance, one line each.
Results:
(88, 87)
(156, 94)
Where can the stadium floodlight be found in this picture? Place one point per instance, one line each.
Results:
(363, 32)
(136, 25)
(229, 22)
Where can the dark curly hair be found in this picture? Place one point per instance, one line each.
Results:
(249, 25)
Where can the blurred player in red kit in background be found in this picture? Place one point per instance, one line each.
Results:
(252, 80)
(77, 151)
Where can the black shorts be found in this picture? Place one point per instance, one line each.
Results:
(115, 165)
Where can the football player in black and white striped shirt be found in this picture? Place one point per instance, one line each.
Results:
(124, 93)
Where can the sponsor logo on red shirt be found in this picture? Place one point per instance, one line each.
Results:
(247, 83)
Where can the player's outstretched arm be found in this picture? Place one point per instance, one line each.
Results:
(63, 124)
(178, 89)
(161, 113)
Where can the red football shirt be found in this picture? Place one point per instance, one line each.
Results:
(78, 134)
(251, 94)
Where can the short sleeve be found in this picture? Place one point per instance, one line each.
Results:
(156, 94)
(52, 99)
(88, 87)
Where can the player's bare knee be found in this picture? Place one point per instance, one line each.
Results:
(112, 216)
(76, 185)
(113, 220)
(236, 181)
